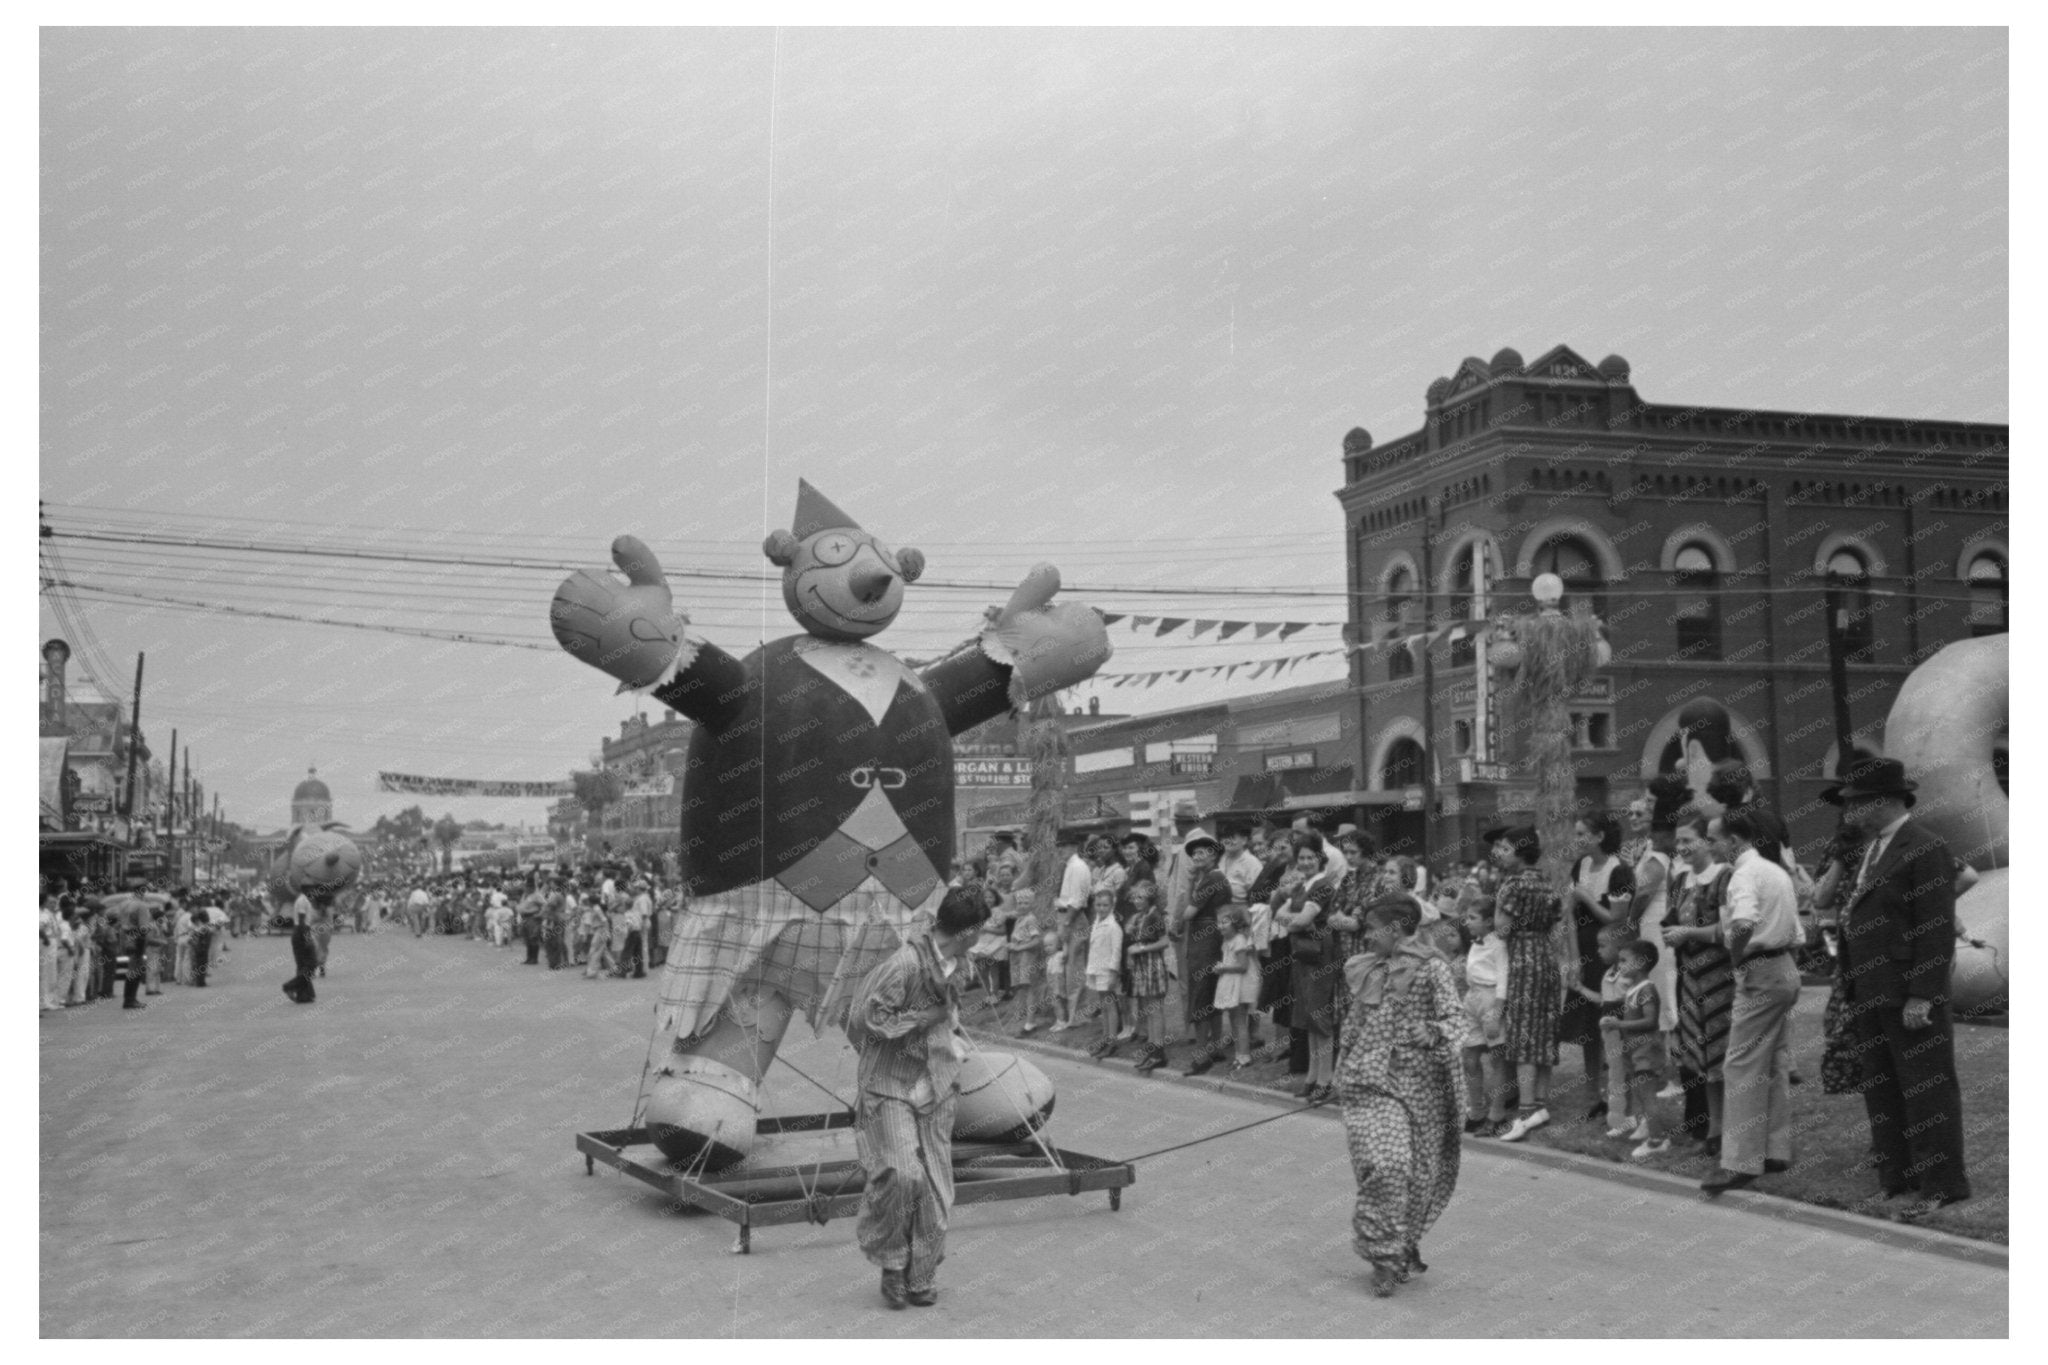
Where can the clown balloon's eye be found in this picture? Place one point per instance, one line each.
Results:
(834, 549)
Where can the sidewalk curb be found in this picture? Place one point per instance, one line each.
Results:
(1881, 1231)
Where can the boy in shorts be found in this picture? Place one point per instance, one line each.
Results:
(1636, 1045)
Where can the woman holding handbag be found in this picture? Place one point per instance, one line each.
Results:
(1305, 918)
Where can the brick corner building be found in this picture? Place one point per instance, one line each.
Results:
(1704, 537)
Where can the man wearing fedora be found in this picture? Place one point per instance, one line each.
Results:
(1898, 935)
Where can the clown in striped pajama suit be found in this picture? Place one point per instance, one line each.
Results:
(905, 1021)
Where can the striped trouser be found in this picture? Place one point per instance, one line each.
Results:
(908, 1158)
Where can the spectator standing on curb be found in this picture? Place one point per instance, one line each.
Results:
(202, 942)
(633, 957)
(1602, 893)
(1071, 910)
(531, 907)
(597, 924)
(1706, 978)
(107, 932)
(1898, 940)
(1762, 933)
(1486, 1001)
(181, 940)
(555, 923)
(1209, 892)
(135, 948)
(1526, 912)
(1027, 958)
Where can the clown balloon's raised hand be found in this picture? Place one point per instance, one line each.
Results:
(817, 796)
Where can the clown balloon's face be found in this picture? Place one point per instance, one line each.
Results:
(843, 584)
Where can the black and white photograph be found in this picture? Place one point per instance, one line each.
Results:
(1033, 677)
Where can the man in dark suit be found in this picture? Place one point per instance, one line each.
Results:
(1898, 941)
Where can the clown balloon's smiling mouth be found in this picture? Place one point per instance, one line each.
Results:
(819, 598)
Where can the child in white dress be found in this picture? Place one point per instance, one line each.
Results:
(1237, 979)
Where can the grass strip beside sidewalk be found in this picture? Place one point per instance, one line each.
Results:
(1831, 1134)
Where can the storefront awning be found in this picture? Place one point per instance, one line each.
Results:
(1292, 788)
(1409, 798)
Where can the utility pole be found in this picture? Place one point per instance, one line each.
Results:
(191, 815)
(134, 752)
(170, 803)
(1432, 508)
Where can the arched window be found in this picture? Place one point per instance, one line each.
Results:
(1466, 568)
(1850, 575)
(1400, 659)
(1572, 560)
(1988, 603)
(1403, 765)
(1697, 609)
(1400, 588)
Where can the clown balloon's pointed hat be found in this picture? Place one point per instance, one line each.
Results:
(815, 512)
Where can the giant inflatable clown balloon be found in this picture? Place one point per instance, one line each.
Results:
(319, 860)
(817, 795)
(1949, 727)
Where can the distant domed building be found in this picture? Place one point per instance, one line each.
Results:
(312, 803)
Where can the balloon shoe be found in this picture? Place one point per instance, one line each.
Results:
(701, 1113)
(1003, 1098)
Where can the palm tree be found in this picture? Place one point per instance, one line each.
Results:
(595, 790)
(447, 833)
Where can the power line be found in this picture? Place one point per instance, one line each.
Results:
(556, 566)
(174, 603)
(737, 545)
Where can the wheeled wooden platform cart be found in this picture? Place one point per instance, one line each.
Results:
(804, 1168)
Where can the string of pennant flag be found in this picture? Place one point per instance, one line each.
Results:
(1166, 625)
(1274, 667)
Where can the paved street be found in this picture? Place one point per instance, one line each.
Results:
(397, 1160)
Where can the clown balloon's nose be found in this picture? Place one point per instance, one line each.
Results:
(870, 581)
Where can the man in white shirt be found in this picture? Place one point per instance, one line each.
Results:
(218, 946)
(181, 940)
(1762, 932)
(419, 909)
(53, 939)
(1070, 911)
(633, 957)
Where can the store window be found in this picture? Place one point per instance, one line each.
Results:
(1849, 574)
(1697, 608)
(1988, 601)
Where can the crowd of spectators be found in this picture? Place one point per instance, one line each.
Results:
(93, 940)
(609, 919)
(1669, 962)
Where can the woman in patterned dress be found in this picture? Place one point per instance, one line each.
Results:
(1706, 977)
(1527, 910)
(1841, 1073)
(1354, 890)
(1398, 1084)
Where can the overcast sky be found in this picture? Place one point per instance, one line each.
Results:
(1110, 299)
